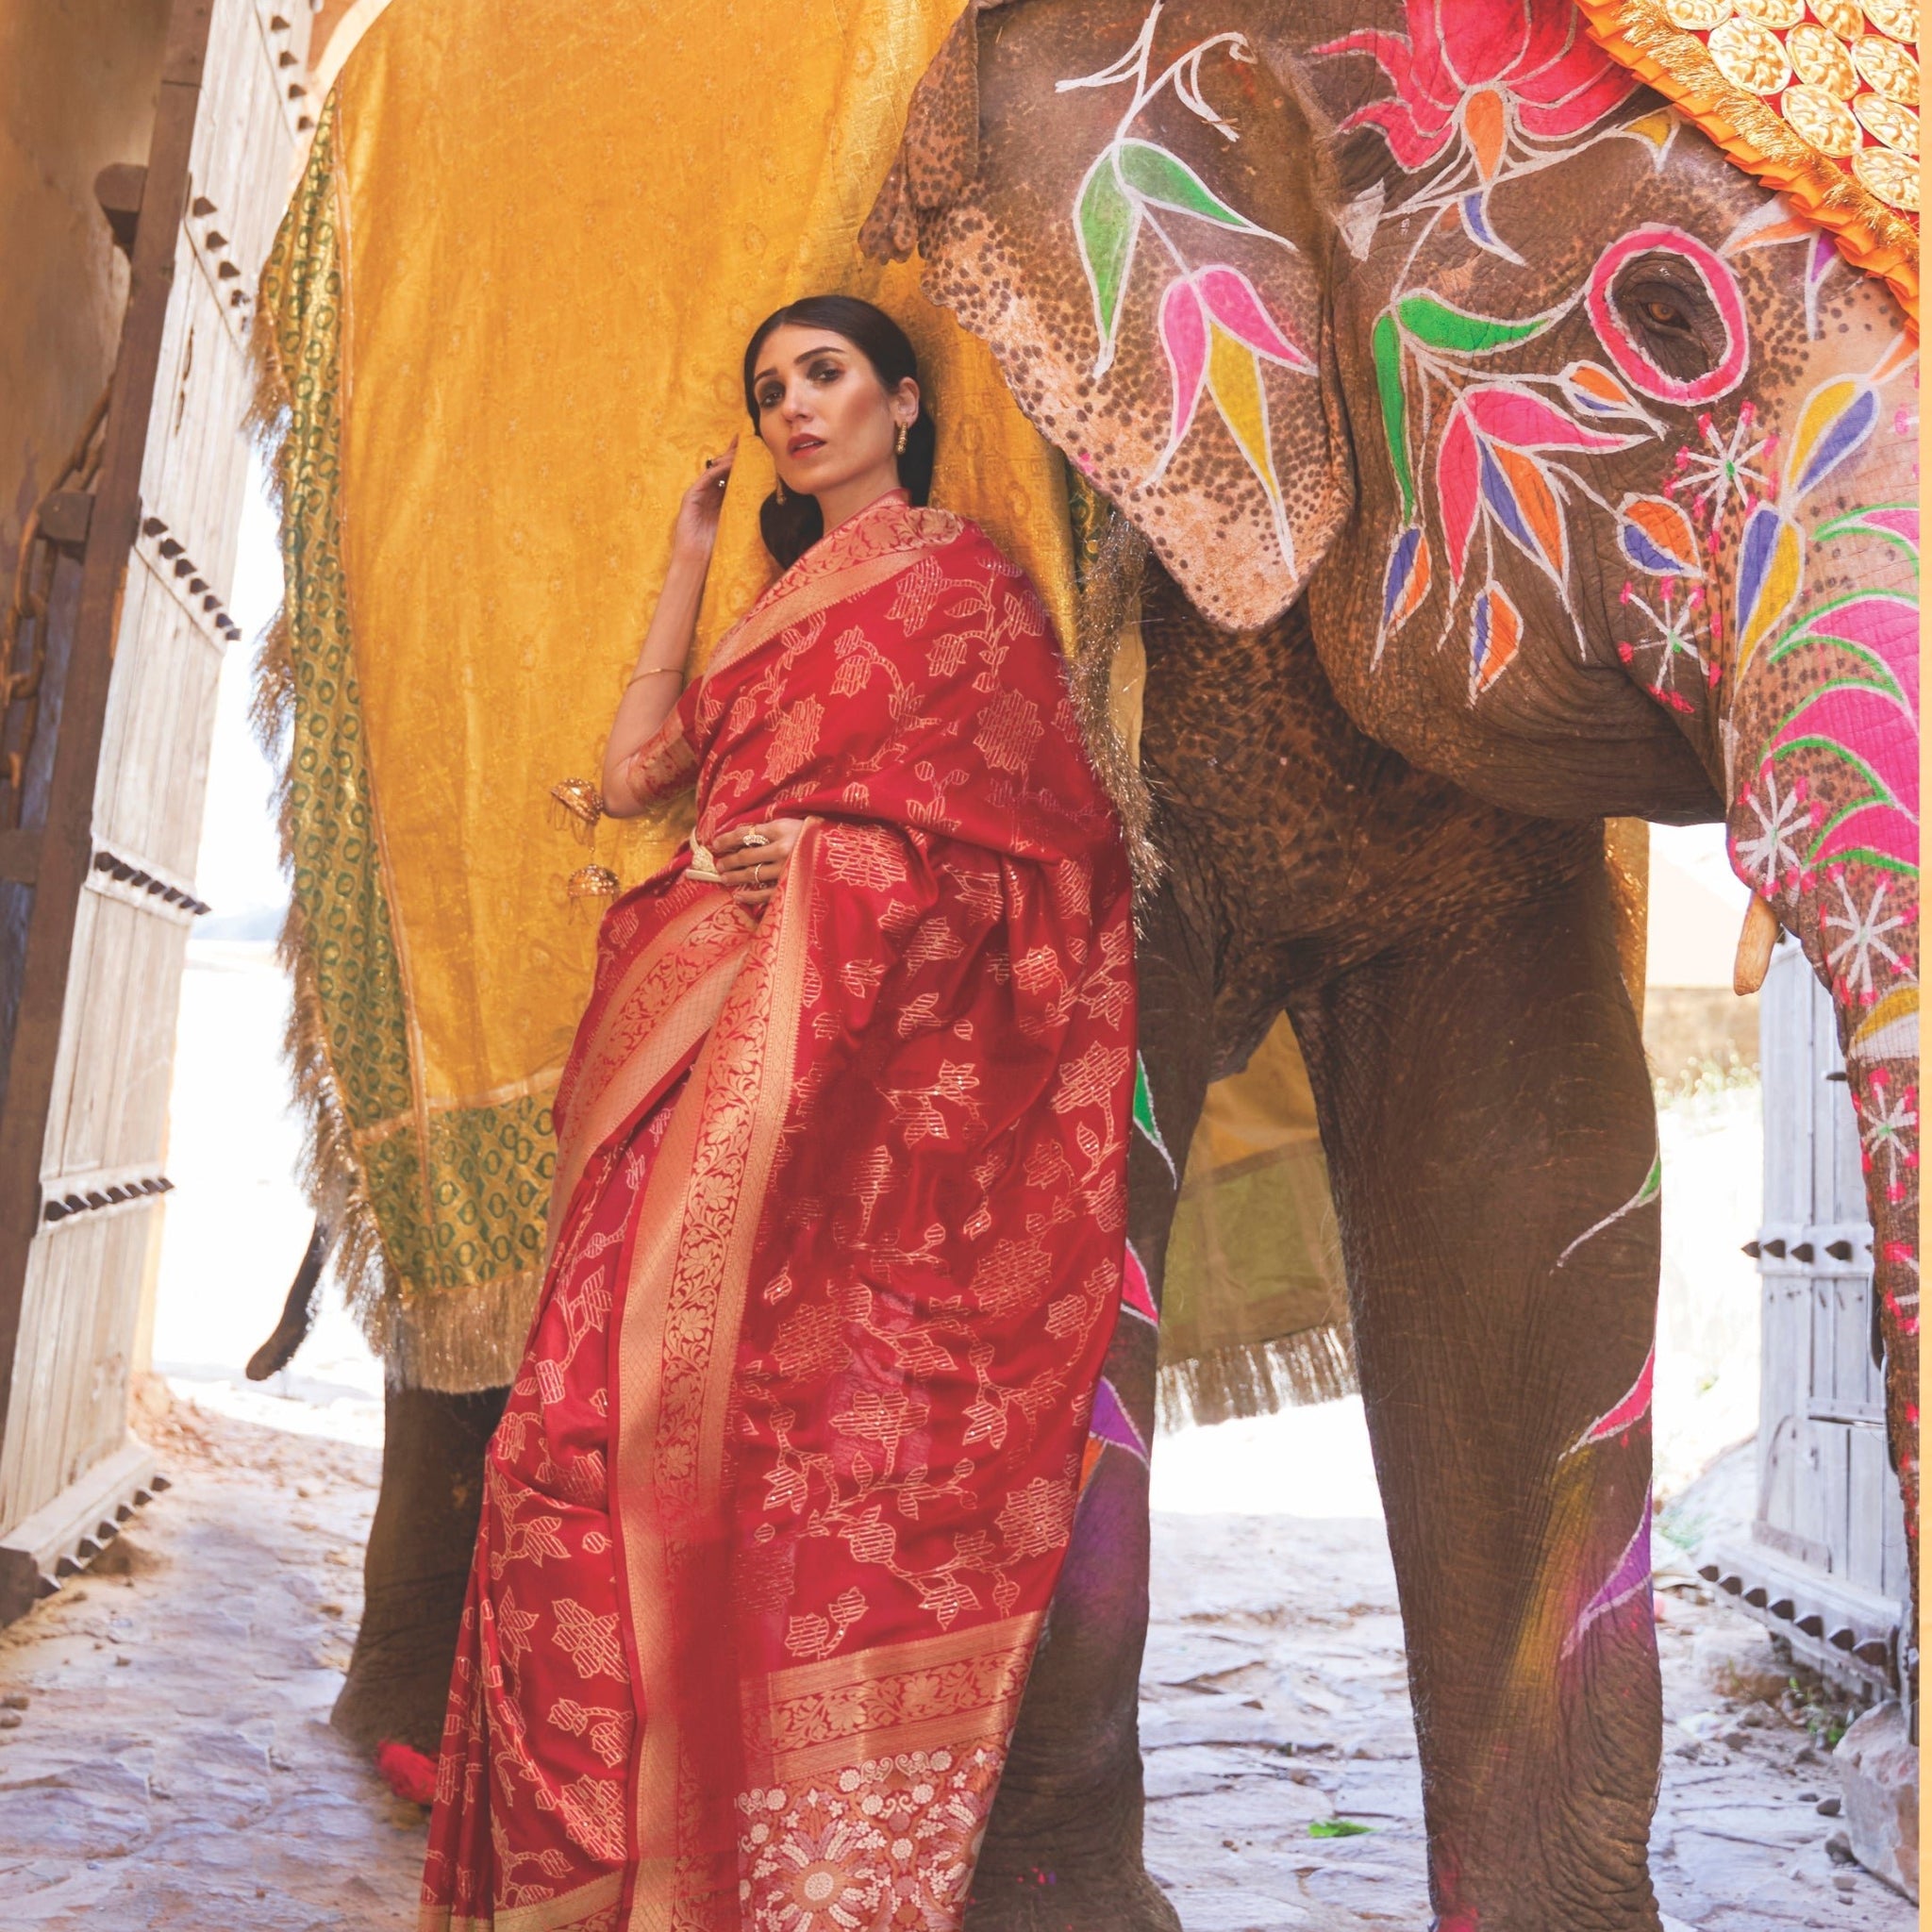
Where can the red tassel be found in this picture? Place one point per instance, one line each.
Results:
(411, 1775)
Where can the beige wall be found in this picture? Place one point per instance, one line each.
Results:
(77, 85)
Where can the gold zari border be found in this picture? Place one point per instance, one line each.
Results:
(955, 1691)
(591, 1907)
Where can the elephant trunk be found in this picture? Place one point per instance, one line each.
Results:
(1823, 738)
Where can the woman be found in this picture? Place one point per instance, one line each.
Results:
(779, 1496)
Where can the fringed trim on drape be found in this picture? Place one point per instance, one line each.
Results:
(1249, 1378)
(1111, 556)
(456, 1341)
(330, 1173)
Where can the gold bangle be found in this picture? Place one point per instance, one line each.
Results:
(654, 671)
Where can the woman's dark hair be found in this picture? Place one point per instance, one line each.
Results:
(791, 527)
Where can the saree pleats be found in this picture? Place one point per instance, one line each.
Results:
(796, 1475)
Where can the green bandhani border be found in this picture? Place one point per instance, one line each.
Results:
(438, 1213)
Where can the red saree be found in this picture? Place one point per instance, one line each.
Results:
(781, 1491)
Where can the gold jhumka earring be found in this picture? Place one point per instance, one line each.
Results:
(577, 805)
(778, 494)
(899, 442)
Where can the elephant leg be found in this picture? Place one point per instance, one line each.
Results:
(1491, 1142)
(1062, 1851)
(417, 1566)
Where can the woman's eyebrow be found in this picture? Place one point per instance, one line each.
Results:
(797, 361)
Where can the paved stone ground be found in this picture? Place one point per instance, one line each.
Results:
(1273, 1699)
(166, 1765)
(172, 1767)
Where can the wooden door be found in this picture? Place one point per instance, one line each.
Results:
(1828, 1504)
(68, 1467)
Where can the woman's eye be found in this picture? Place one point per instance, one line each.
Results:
(826, 371)
(771, 398)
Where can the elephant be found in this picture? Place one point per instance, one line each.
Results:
(1477, 454)
(1486, 455)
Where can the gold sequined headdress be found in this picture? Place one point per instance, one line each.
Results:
(1818, 98)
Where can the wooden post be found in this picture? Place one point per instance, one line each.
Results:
(65, 848)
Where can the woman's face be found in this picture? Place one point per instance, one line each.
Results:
(823, 412)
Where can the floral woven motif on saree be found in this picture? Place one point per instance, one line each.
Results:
(499, 330)
(783, 1487)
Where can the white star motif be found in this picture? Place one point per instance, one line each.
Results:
(1863, 944)
(1771, 850)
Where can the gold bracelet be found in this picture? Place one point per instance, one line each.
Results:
(654, 671)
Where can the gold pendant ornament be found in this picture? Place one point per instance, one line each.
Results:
(575, 806)
(592, 885)
(1818, 98)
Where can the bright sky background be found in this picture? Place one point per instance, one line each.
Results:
(240, 869)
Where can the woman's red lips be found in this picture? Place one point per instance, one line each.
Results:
(799, 445)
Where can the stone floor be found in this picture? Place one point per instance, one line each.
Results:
(165, 1760)
(1273, 1701)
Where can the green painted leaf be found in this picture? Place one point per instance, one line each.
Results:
(1442, 325)
(1107, 220)
(1338, 1827)
(1653, 1182)
(1143, 1112)
(1167, 181)
(1387, 346)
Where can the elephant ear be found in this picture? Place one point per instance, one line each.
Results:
(1138, 243)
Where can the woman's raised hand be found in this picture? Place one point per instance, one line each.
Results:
(697, 530)
(752, 859)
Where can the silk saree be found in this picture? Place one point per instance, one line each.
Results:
(782, 1488)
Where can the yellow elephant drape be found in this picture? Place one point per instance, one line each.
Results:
(502, 326)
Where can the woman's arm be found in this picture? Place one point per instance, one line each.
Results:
(657, 679)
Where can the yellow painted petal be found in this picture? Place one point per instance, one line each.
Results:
(1890, 1030)
(1234, 378)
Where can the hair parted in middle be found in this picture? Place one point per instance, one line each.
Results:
(791, 525)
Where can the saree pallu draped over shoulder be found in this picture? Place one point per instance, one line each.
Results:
(782, 1489)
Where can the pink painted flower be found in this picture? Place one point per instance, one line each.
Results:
(1477, 72)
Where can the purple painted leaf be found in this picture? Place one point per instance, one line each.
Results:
(1771, 574)
(1234, 303)
(1184, 336)
(1594, 392)
(1112, 1424)
(1656, 535)
(1474, 209)
(1631, 1577)
(1507, 415)
(1407, 582)
(1457, 486)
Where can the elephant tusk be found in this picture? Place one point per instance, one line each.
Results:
(1753, 947)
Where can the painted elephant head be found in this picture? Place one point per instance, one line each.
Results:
(1595, 463)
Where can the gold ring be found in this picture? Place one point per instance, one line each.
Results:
(758, 875)
(753, 838)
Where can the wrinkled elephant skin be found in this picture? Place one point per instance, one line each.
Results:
(1511, 459)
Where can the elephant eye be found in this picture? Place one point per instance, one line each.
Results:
(1671, 315)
